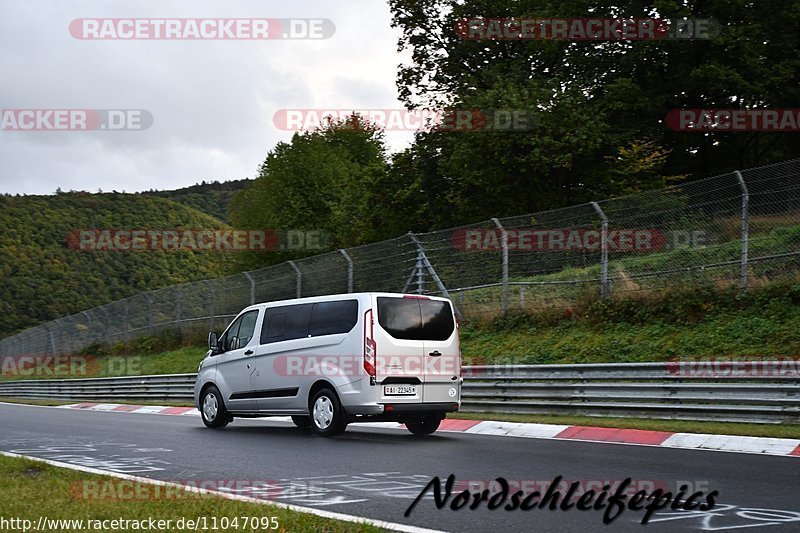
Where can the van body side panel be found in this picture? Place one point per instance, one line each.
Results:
(300, 343)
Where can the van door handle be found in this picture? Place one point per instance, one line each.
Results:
(435, 353)
(249, 352)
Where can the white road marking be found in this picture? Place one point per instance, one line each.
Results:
(392, 526)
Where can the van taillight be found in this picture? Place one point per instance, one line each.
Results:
(370, 349)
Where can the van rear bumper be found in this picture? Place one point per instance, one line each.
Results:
(391, 412)
(395, 411)
(421, 408)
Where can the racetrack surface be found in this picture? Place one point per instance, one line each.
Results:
(376, 473)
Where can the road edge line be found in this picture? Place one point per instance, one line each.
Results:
(393, 526)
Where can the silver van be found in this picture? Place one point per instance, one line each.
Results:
(328, 361)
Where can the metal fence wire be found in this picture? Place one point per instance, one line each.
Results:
(733, 230)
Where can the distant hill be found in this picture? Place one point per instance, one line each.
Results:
(211, 198)
(42, 278)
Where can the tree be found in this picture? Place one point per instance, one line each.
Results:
(321, 180)
(594, 100)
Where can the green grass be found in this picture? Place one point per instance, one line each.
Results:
(749, 332)
(769, 236)
(32, 489)
(787, 431)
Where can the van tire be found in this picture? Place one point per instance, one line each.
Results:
(302, 421)
(212, 409)
(326, 414)
(424, 425)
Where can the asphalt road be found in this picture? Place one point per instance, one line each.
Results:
(376, 473)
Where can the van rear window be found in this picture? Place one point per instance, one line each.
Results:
(415, 319)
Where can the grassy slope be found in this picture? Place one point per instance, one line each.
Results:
(747, 332)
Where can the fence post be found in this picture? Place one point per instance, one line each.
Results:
(213, 310)
(504, 244)
(88, 324)
(299, 278)
(106, 323)
(349, 270)
(127, 324)
(149, 310)
(178, 310)
(425, 263)
(603, 250)
(252, 287)
(51, 341)
(743, 274)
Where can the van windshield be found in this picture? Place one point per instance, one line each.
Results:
(416, 319)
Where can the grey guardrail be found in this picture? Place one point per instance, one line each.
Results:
(760, 393)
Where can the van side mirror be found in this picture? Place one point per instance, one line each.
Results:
(212, 342)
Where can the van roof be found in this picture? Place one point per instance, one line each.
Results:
(351, 295)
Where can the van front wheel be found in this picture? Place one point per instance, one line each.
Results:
(423, 426)
(327, 415)
(213, 409)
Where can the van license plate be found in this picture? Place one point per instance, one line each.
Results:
(399, 390)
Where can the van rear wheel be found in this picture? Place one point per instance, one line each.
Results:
(424, 425)
(327, 415)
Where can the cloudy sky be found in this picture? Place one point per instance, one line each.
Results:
(212, 102)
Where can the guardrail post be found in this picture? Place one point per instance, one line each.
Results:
(299, 278)
(504, 244)
(743, 274)
(349, 270)
(603, 250)
(252, 287)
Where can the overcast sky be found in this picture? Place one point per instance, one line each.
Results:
(212, 101)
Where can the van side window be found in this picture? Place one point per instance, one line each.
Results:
(285, 323)
(247, 327)
(243, 327)
(330, 318)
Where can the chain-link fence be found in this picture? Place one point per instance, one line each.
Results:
(740, 229)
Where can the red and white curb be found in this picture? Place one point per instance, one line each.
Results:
(697, 441)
